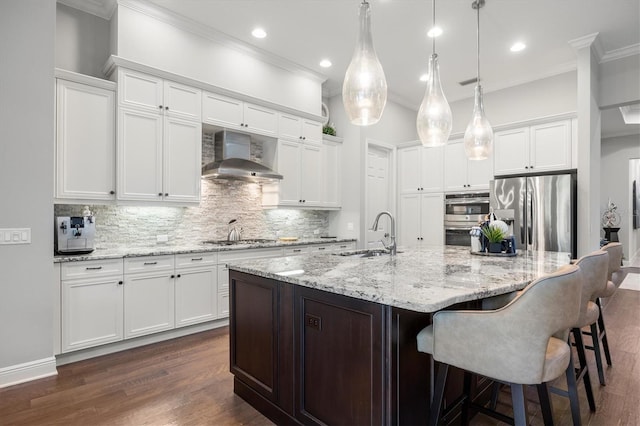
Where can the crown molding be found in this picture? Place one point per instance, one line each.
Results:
(623, 52)
(169, 17)
(101, 8)
(592, 41)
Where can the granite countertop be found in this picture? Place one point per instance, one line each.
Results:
(196, 247)
(424, 280)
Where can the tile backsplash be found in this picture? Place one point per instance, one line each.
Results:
(221, 201)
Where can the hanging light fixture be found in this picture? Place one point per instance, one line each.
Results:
(364, 91)
(434, 120)
(478, 138)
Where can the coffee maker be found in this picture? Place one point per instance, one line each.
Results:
(75, 234)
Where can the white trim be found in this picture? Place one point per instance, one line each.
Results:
(620, 53)
(392, 149)
(27, 371)
(335, 139)
(114, 62)
(88, 353)
(84, 79)
(169, 17)
(101, 8)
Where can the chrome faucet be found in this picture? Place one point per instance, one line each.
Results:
(391, 247)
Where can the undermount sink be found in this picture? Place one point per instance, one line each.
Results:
(364, 253)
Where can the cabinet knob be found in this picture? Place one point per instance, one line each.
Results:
(304, 138)
(526, 167)
(246, 125)
(120, 282)
(179, 275)
(166, 108)
(112, 192)
(173, 276)
(531, 167)
(160, 106)
(166, 194)
(159, 194)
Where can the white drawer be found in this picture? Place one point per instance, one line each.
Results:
(344, 246)
(321, 248)
(227, 256)
(135, 265)
(196, 259)
(90, 268)
(292, 251)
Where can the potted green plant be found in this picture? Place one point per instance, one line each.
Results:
(495, 236)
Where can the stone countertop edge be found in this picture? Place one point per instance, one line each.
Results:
(160, 250)
(422, 280)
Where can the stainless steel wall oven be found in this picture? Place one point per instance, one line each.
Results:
(462, 211)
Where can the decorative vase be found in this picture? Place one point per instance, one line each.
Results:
(495, 247)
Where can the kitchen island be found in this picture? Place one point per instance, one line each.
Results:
(331, 339)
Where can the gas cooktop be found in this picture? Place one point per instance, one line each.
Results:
(234, 242)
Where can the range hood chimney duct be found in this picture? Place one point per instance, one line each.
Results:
(233, 160)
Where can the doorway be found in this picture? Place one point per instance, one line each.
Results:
(379, 191)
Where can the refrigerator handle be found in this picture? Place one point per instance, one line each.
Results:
(529, 219)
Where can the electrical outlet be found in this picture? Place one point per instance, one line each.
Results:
(316, 232)
(162, 238)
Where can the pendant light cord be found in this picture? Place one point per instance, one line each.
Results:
(434, 25)
(478, 39)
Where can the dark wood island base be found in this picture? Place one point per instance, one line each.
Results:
(306, 356)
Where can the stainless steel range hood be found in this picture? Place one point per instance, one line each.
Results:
(233, 160)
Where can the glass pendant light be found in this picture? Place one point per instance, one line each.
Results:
(364, 91)
(478, 138)
(434, 119)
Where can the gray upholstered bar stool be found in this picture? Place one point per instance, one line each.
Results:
(613, 273)
(594, 273)
(522, 343)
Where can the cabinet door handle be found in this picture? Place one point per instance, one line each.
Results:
(93, 268)
(196, 259)
(297, 250)
(150, 263)
(343, 246)
(321, 248)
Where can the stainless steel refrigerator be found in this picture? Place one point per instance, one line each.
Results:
(541, 210)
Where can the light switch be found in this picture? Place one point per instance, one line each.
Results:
(15, 236)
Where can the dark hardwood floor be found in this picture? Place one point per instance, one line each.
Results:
(186, 381)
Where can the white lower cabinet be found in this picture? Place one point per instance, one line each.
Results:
(92, 304)
(196, 288)
(149, 295)
(421, 220)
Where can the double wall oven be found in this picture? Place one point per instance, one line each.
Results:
(461, 212)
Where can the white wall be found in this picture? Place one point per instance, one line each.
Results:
(82, 41)
(154, 41)
(540, 98)
(396, 125)
(619, 81)
(615, 181)
(27, 34)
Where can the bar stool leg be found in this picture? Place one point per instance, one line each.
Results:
(572, 390)
(603, 333)
(545, 404)
(582, 359)
(466, 403)
(436, 404)
(596, 350)
(519, 405)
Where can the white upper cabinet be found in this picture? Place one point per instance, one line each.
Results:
(301, 165)
(420, 219)
(143, 91)
(159, 140)
(297, 128)
(85, 141)
(420, 169)
(462, 174)
(231, 113)
(538, 148)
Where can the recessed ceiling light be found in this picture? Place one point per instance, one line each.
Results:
(518, 46)
(424, 77)
(434, 32)
(259, 33)
(325, 63)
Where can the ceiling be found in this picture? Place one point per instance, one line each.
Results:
(306, 31)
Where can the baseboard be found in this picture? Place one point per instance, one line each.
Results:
(28, 371)
(81, 355)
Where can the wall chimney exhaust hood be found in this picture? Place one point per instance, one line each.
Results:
(233, 160)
